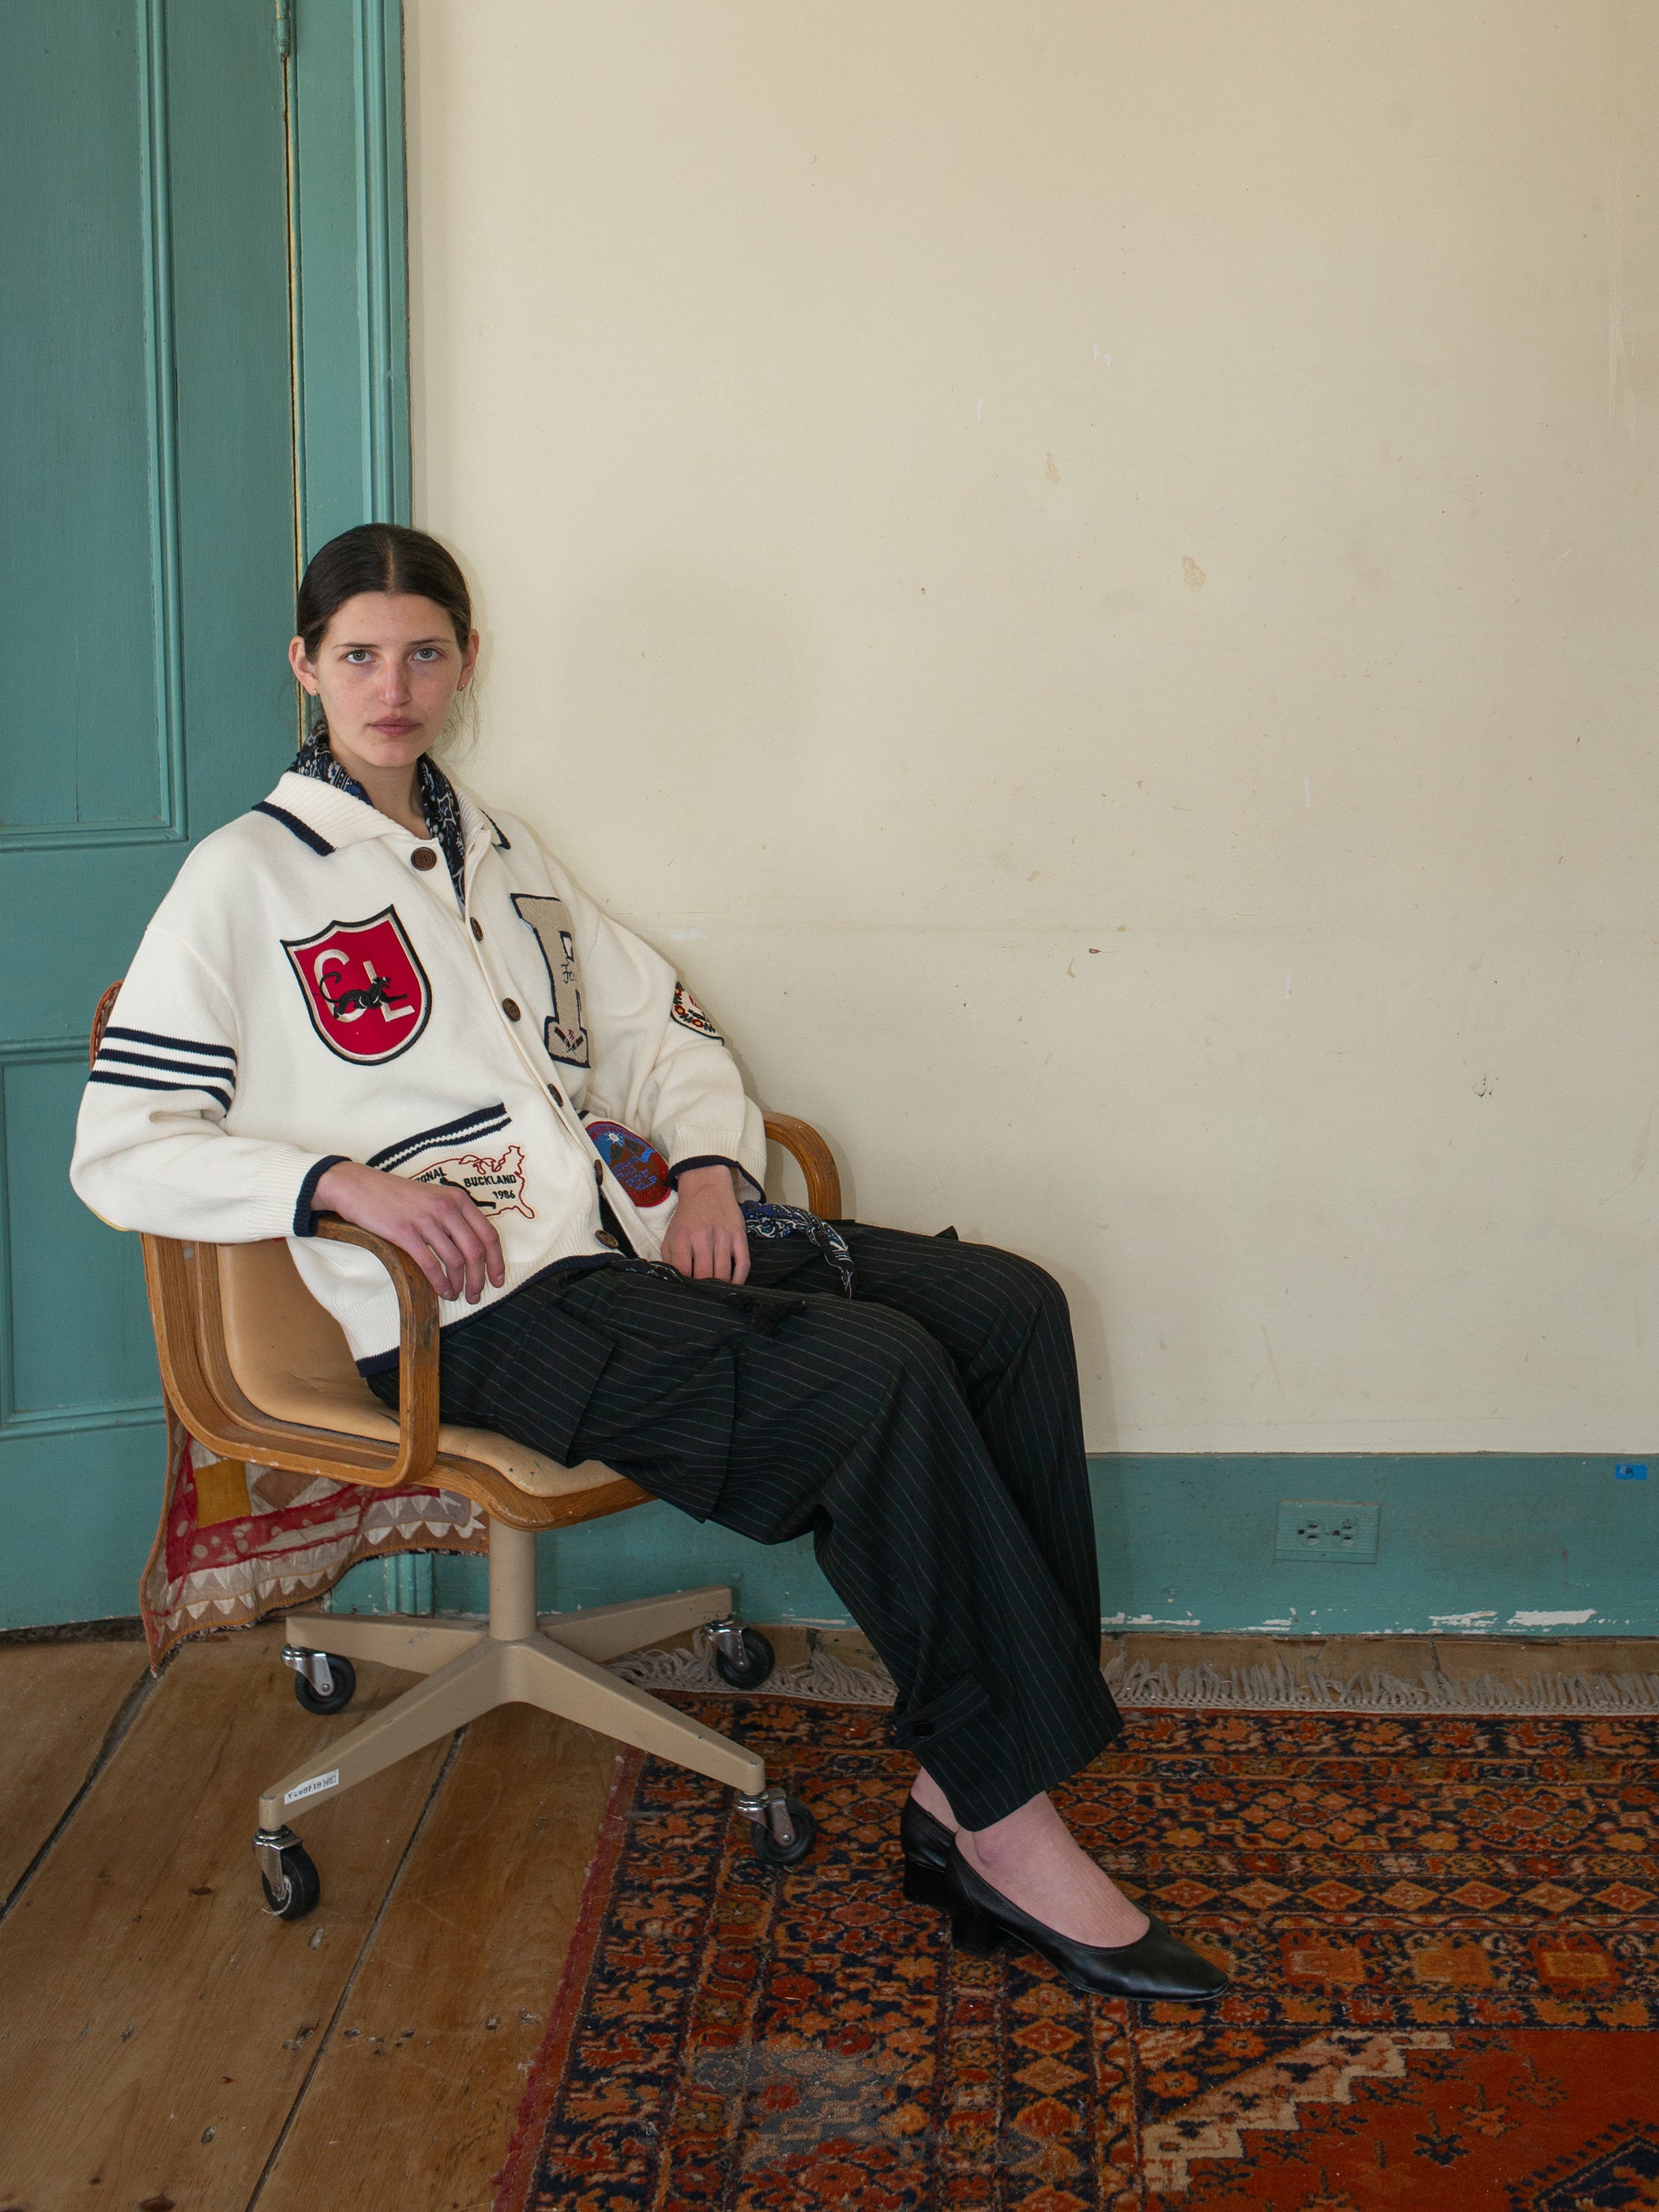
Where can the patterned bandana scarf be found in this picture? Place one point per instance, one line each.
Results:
(433, 788)
(768, 1222)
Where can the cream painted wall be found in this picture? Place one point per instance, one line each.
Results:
(1088, 572)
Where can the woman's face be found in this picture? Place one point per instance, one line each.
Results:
(386, 671)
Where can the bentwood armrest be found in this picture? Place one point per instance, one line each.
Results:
(417, 1346)
(815, 1159)
(200, 1383)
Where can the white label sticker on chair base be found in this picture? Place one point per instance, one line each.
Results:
(317, 1782)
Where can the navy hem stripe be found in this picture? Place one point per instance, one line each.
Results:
(171, 1043)
(305, 1213)
(473, 1124)
(303, 831)
(142, 1083)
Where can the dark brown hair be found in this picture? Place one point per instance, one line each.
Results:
(380, 556)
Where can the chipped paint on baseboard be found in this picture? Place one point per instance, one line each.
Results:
(1145, 1620)
(1472, 1544)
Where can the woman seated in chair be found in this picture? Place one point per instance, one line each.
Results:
(368, 997)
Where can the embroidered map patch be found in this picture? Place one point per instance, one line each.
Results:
(494, 1186)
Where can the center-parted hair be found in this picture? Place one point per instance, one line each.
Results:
(380, 556)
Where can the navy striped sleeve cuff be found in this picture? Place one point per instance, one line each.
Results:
(703, 1160)
(305, 1213)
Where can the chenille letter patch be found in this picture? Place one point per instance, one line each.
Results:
(562, 1034)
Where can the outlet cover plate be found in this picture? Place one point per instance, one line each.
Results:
(1326, 1528)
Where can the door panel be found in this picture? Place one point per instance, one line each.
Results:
(147, 489)
(80, 384)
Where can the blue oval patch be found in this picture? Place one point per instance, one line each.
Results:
(638, 1167)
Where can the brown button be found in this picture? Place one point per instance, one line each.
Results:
(510, 1008)
(606, 1238)
(423, 858)
(553, 1093)
(477, 931)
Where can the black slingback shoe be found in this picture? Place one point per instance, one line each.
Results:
(926, 1844)
(1159, 1965)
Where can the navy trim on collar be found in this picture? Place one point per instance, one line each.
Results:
(502, 844)
(303, 831)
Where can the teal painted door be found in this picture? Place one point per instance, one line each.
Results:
(148, 523)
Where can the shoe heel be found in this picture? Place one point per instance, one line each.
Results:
(970, 1931)
(925, 1886)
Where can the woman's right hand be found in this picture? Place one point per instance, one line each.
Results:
(452, 1243)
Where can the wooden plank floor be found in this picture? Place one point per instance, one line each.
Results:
(167, 2046)
(60, 1701)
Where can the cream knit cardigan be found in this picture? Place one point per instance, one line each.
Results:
(310, 990)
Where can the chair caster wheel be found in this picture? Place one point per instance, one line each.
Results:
(770, 1852)
(756, 1663)
(299, 1889)
(338, 1696)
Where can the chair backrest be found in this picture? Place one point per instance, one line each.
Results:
(100, 1021)
(286, 1349)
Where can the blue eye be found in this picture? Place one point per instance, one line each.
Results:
(357, 656)
(427, 653)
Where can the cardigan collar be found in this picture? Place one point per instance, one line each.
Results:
(434, 792)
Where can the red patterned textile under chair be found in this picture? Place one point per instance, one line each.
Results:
(238, 1541)
(1444, 1934)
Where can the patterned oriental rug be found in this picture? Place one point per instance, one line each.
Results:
(1443, 1930)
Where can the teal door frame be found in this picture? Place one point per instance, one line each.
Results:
(83, 1459)
(349, 262)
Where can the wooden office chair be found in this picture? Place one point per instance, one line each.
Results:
(257, 1370)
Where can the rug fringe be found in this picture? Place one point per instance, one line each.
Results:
(821, 1675)
(1138, 1682)
(828, 1680)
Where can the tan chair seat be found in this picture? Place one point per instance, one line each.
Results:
(290, 1358)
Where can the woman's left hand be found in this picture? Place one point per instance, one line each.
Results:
(707, 1237)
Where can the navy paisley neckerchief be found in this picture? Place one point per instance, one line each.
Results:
(769, 1222)
(436, 792)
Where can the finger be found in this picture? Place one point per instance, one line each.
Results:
(489, 1244)
(447, 1254)
(465, 1225)
(703, 1243)
(739, 1257)
(411, 1241)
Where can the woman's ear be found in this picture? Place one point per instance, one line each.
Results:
(468, 660)
(304, 674)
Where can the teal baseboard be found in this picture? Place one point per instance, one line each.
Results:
(1533, 1543)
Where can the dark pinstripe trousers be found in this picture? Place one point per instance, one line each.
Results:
(926, 1432)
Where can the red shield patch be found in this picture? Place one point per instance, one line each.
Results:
(366, 991)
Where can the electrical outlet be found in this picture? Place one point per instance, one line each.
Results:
(1318, 1528)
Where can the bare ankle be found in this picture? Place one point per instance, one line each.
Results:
(932, 1799)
